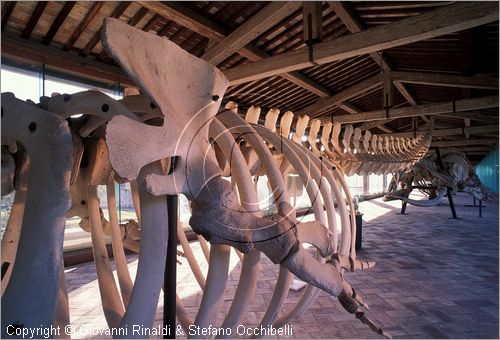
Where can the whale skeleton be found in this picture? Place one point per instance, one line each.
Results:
(49, 157)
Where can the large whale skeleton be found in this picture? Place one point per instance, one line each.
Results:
(434, 179)
(49, 158)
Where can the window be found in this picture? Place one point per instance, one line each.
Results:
(33, 83)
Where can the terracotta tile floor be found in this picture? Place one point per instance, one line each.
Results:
(435, 278)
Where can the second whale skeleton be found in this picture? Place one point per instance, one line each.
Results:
(113, 142)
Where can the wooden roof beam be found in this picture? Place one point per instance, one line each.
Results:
(482, 81)
(29, 52)
(461, 142)
(444, 20)
(427, 109)
(473, 115)
(192, 20)
(260, 22)
(465, 149)
(473, 130)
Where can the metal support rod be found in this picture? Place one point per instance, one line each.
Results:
(448, 189)
(480, 208)
(403, 208)
(450, 200)
(170, 274)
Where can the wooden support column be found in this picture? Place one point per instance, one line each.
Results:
(313, 22)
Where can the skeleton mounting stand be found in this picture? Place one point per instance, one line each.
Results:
(439, 161)
(170, 274)
(448, 189)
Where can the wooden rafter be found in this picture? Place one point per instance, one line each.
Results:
(267, 17)
(325, 104)
(117, 12)
(83, 25)
(405, 92)
(7, 11)
(141, 13)
(58, 21)
(370, 125)
(35, 16)
(349, 107)
(427, 109)
(205, 27)
(441, 21)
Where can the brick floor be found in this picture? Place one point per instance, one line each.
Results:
(436, 277)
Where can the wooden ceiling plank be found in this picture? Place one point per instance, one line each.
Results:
(197, 23)
(58, 21)
(441, 21)
(83, 24)
(27, 51)
(37, 13)
(480, 81)
(117, 12)
(427, 109)
(326, 104)
(260, 22)
(7, 11)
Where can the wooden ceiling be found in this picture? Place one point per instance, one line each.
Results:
(386, 66)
